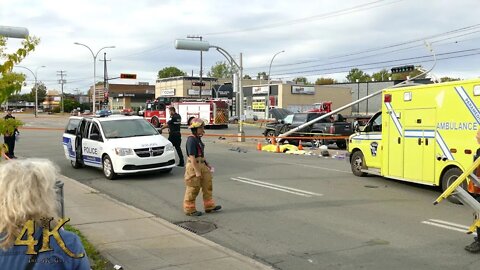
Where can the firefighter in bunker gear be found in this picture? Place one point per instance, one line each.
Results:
(198, 173)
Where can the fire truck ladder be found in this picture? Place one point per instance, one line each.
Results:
(456, 190)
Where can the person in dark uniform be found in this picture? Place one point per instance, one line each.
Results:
(198, 173)
(9, 139)
(475, 246)
(174, 136)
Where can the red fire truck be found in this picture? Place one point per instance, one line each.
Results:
(322, 107)
(213, 112)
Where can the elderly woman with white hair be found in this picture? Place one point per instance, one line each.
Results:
(27, 196)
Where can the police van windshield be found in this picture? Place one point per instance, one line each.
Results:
(127, 128)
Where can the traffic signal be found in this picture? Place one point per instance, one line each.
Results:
(198, 83)
(128, 76)
(403, 69)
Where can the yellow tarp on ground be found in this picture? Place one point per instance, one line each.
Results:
(283, 148)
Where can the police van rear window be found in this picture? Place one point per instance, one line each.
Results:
(72, 126)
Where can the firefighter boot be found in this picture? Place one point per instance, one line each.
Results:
(474, 247)
(215, 209)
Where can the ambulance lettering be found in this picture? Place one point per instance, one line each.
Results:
(458, 125)
(90, 150)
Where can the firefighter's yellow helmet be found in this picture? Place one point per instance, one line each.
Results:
(196, 123)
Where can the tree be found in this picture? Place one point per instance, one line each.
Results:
(41, 92)
(301, 80)
(448, 79)
(382, 75)
(170, 72)
(324, 81)
(357, 74)
(11, 82)
(220, 70)
(247, 77)
(70, 104)
(262, 76)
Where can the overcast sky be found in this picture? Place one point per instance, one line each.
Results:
(322, 38)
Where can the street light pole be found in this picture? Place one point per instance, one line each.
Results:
(94, 70)
(36, 86)
(267, 108)
(193, 45)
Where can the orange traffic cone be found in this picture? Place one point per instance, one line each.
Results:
(259, 146)
(278, 148)
(300, 146)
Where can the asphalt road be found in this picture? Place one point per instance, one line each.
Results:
(292, 212)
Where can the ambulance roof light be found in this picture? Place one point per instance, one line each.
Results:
(387, 98)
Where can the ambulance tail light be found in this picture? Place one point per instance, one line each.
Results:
(468, 151)
(332, 130)
(387, 98)
(453, 150)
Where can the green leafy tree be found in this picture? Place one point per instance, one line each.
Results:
(262, 76)
(357, 74)
(70, 104)
(301, 80)
(170, 72)
(220, 70)
(247, 77)
(324, 81)
(41, 92)
(382, 75)
(11, 82)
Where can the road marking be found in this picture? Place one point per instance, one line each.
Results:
(447, 225)
(290, 190)
(323, 168)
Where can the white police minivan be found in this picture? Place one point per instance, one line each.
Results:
(117, 144)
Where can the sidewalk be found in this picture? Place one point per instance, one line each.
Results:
(137, 240)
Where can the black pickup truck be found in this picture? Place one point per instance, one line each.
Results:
(338, 126)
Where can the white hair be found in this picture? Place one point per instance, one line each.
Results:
(27, 192)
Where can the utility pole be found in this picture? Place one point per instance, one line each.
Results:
(62, 73)
(201, 63)
(105, 82)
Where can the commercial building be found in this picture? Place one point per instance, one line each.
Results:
(124, 96)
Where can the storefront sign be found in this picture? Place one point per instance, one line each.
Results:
(167, 92)
(196, 92)
(258, 105)
(303, 90)
(260, 90)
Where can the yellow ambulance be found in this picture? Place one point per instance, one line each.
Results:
(424, 134)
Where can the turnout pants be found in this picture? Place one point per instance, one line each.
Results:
(194, 184)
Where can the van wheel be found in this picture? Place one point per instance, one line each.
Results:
(448, 178)
(75, 164)
(155, 122)
(357, 163)
(108, 168)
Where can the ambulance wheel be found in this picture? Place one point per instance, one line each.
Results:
(448, 178)
(357, 163)
(108, 168)
(155, 122)
(75, 164)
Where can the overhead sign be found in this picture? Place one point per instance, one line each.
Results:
(128, 76)
(303, 90)
(196, 92)
(260, 90)
(167, 92)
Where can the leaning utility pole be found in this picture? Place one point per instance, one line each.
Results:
(62, 73)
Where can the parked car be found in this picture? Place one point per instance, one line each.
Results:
(324, 126)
